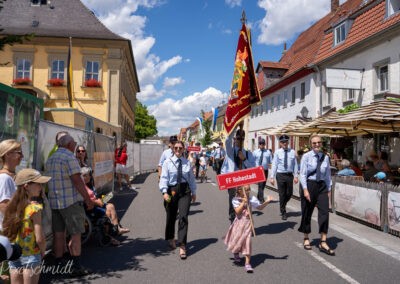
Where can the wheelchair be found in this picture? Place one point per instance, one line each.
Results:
(100, 229)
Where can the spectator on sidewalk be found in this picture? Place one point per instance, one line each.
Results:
(23, 226)
(66, 193)
(356, 168)
(11, 156)
(101, 208)
(346, 170)
(370, 171)
(120, 167)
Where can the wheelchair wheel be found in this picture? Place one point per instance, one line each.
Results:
(88, 230)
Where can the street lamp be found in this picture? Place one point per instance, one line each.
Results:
(304, 112)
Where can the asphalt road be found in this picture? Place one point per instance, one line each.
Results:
(363, 254)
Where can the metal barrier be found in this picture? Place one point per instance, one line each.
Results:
(373, 204)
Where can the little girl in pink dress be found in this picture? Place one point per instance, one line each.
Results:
(238, 237)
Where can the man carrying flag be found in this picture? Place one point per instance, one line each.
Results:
(243, 94)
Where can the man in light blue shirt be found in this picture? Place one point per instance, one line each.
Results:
(168, 153)
(236, 159)
(219, 157)
(285, 171)
(262, 157)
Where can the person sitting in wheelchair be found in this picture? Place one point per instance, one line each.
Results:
(101, 209)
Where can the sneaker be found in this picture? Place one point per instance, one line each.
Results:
(284, 216)
(236, 258)
(248, 268)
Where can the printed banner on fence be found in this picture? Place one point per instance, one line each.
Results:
(394, 210)
(193, 148)
(359, 202)
(242, 177)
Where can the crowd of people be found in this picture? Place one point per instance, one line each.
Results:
(69, 187)
(73, 197)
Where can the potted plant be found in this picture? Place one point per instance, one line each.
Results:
(92, 83)
(56, 82)
(22, 81)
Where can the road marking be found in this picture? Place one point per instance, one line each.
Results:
(329, 265)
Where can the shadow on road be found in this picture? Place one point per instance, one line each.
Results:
(192, 212)
(331, 241)
(260, 258)
(197, 245)
(275, 228)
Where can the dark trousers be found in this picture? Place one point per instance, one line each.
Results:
(197, 166)
(319, 197)
(285, 188)
(218, 165)
(232, 214)
(261, 186)
(181, 202)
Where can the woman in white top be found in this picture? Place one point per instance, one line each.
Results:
(10, 155)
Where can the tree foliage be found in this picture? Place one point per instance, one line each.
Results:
(206, 140)
(145, 124)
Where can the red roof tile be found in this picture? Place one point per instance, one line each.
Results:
(270, 64)
(367, 24)
(304, 50)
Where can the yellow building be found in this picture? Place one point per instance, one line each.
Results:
(104, 78)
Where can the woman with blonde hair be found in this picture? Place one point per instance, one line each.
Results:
(10, 155)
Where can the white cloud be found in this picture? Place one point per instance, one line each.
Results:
(174, 114)
(170, 82)
(119, 16)
(297, 16)
(233, 3)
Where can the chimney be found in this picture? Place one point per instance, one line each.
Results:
(334, 5)
(284, 48)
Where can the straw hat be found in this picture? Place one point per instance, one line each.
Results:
(30, 175)
(8, 145)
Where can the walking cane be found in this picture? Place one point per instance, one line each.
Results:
(242, 134)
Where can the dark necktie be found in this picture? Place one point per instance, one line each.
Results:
(179, 176)
(261, 157)
(285, 165)
(319, 162)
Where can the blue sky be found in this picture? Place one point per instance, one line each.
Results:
(184, 49)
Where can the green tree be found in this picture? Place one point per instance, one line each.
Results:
(206, 140)
(145, 124)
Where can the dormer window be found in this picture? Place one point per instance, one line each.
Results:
(392, 7)
(38, 2)
(340, 33)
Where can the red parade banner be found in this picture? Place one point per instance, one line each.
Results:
(244, 91)
(242, 177)
(193, 148)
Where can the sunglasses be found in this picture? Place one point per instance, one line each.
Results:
(81, 151)
(17, 152)
(178, 148)
(318, 142)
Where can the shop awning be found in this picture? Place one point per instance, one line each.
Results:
(378, 117)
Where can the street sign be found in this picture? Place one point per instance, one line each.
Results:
(242, 177)
(193, 148)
